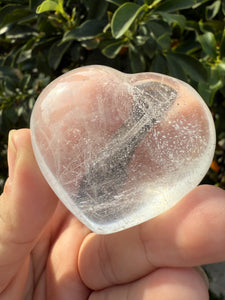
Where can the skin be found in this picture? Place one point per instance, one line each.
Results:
(46, 253)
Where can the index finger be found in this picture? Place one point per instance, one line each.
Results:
(191, 233)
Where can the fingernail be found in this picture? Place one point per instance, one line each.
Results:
(202, 273)
(12, 153)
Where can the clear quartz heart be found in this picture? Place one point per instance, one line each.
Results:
(119, 149)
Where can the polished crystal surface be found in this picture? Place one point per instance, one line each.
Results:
(119, 149)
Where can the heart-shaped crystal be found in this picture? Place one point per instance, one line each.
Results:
(119, 149)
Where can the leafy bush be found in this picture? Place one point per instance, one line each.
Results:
(40, 40)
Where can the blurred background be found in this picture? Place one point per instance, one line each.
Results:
(40, 40)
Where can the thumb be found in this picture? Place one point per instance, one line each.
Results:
(26, 205)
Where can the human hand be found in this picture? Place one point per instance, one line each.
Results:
(46, 253)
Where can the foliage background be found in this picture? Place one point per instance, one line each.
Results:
(40, 40)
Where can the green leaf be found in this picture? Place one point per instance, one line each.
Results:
(75, 52)
(159, 64)
(208, 43)
(56, 53)
(213, 9)
(140, 40)
(212, 26)
(192, 67)
(175, 5)
(192, 25)
(208, 92)
(113, 49)
(25, 81)
(222, 46)
(117, 2)
(9, 72)
(97, 9)
(137, 61)
(17, 15)
(198, 3)
(47, 5)
(5, 29)
(188, 46)
(152, 3)
(90, 44)
(150, 47)
(164, 41)
(173, 18)
(223, 7)
(123, 17)
(43, 45)
(24, 56)
(221, 70)
(21, 32)
(158, 27)
(6, 10)
(175, 69)
(88, 30)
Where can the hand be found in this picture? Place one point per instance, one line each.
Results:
(46, 253)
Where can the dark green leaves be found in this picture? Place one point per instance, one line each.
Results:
(137, 61)
(117, 2)
(175, 69)
(113, 49)
(89, 29)
(216, 82)
(8, 72)
(222, 45)
(56, 53)
(158, 28)
(96, 9)
(123, 17)
(21, 32)
(173, 19)
(174, 5)
(213, 9)
(13, 14)
(182, 65)
(208, 43)
(187, 64)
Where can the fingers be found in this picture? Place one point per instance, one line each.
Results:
(26, 205)
(62, 275)
(165, 283)
(191, 233)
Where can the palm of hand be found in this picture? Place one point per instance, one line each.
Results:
(46, 253)
(52, 268)
(53, 264)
